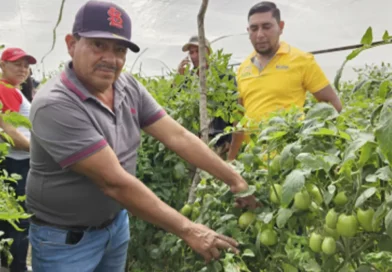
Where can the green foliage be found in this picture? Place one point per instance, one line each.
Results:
(10, 208)
(164, 172)
(318, 155)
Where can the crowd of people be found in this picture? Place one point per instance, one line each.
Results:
(78, 161)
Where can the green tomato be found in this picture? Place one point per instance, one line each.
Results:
(186, 210)
(256, 150)
(296, 149)
(316, 194)
(313, 207)
(315, 241)
(274, 167)
(331, 219)
(365, 219)
(268, 237)
(331, 232)
(347, 225)
(302, 201)
(247, 159)
(207, 197)
(340, 199)
(273, 197)
(329, 246)
(195, 213)
(246, 219)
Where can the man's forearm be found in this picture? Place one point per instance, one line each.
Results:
(337, 104)
(235, 145)
(144, 204)
(193, 150)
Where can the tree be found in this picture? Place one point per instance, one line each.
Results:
(203, 91)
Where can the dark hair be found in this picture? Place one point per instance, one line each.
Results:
(265, 6)
(28, 87)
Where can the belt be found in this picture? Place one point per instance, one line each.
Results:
(40, 222)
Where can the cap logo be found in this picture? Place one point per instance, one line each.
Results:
(115, 18)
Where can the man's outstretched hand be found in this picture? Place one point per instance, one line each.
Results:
(208, 243)
(247, 202)
(244, 202)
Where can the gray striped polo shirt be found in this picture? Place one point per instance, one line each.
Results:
(69, 124)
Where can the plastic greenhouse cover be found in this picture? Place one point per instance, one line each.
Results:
(161, 27)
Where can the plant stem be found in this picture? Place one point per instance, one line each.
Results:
(346, 253)
(359, 184)
(362, 248)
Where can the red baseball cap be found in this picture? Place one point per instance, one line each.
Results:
(13, 54)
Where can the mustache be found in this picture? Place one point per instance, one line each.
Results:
(106, 66)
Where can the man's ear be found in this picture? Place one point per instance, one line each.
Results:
(71, 41)
(2, 64)
(281, 26)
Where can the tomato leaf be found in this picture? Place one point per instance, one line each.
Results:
(366, 153)
(294, 183)
(367, 38)
(179, 170)
(328, 196)
(248, 253)
(217, 266)
(386, 36)
(230, 267)
(388, 223)
(384, 89)
(322, 111)
(379, 215)
(312, 266)
(351, 151)
(251, 190)
(265, 217)
(385, 243)
(354, 53)
(226, 217)
(317, 162)
(368, 193)
(283, 216)
(324, 132)
(383, 131)
(287, 158)
(309, 161)
(382, 174)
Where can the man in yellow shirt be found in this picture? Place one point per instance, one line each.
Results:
(276, 75)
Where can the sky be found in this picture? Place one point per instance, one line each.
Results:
(161, 27)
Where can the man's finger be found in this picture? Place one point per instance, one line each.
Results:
(227, 239)
(215, 253)
(222, 244)
(207, 256)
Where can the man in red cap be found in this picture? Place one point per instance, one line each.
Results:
(86, 128)
(15, 66)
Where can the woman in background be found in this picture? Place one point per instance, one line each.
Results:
(15, 66)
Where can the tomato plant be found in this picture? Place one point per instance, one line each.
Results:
(10, 208)
(323, 177)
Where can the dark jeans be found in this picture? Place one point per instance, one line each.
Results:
(20, 243)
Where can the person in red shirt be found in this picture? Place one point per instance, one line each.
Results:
(15, 66)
